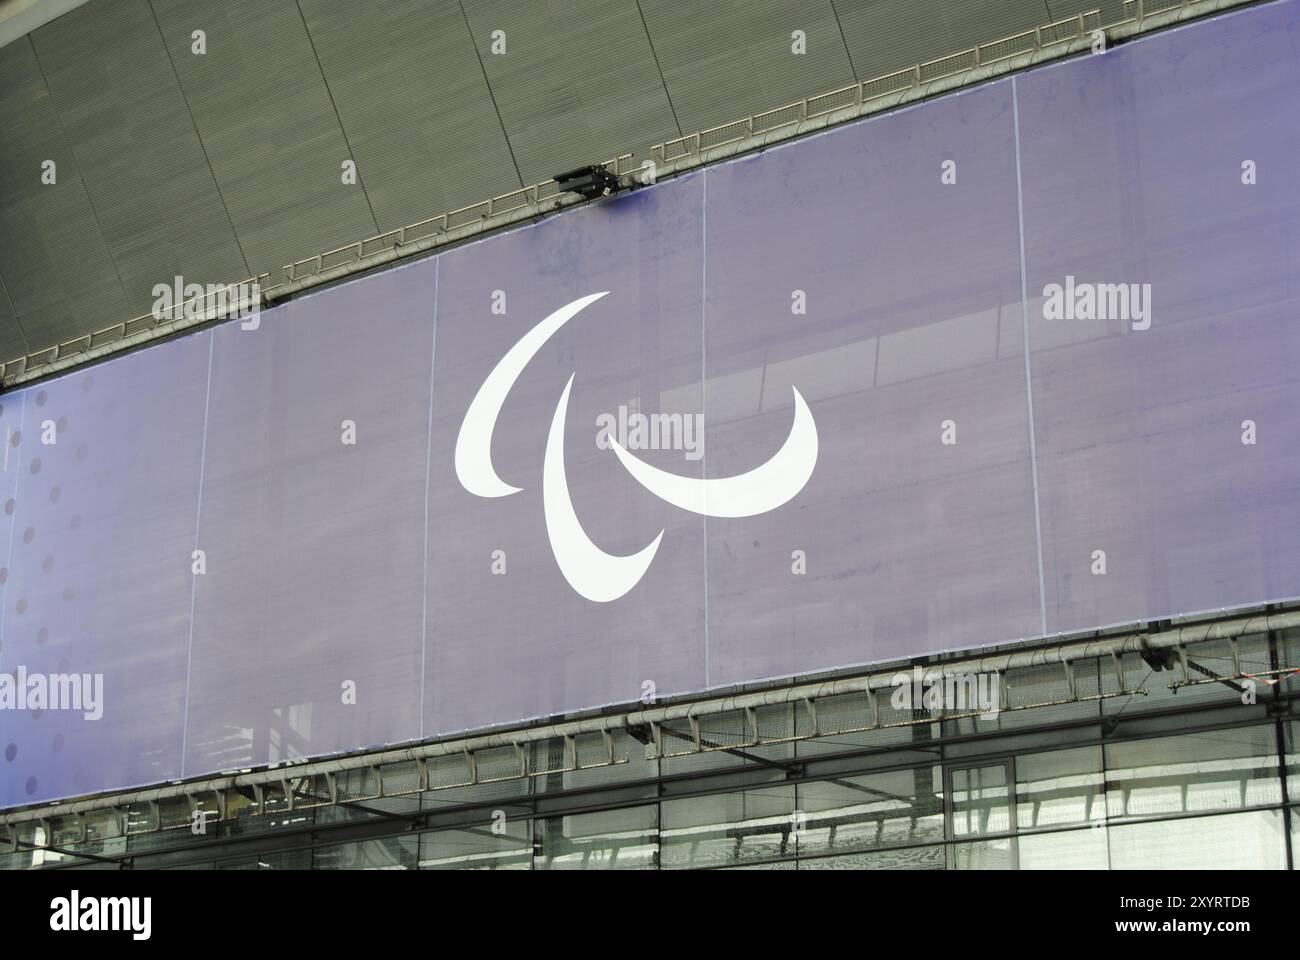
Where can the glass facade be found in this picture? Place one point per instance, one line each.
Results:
(1156, 772)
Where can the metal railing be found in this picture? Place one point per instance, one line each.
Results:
(1088, 668)
(986, 54)
(529, 197)
(474, 217)
(1034, 41)
(527, 201)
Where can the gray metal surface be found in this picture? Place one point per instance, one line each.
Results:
(126, 122)
(730, 58)
(57, 269)
(226, 165)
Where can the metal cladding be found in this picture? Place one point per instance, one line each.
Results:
(1016, 362)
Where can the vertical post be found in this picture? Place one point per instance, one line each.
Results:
(1279, 733)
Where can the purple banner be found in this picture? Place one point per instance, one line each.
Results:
(1016, 362)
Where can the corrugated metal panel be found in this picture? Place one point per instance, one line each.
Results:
(141, 160)
(56, 266)
(972, 22)
(889, 35)
(414, 104)
(12, 341)
(580, 81)
(266, 119)
(729, 58)
(577, 83)
(1112, 11)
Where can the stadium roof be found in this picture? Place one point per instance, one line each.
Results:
(227, 164)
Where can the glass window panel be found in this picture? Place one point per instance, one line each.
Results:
(984, 855)
(1291, 737)
(770, 865)
(1066, 850)
(390, 853)
(1289, 648)
(1220, 769)
(910, 858)
(1060, 787)
(896, 808)
(1241, 841)
(289, 860)
(608, 840)
(510, 847)
(728, 828)
(980, 802)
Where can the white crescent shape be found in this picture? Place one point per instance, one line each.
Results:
(593, 573)
(474, 442)
(764, 488)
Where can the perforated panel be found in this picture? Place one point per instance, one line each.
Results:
(410, 90)
(415, 104)
(127, 122)
(577, 82)
(58, 272)
(269, 127)
(735, 57)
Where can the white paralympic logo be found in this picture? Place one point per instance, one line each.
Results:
(594, 574)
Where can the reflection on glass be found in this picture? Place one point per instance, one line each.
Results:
(1059, 788)
(1239, 841)
(608, 840)
(1216, 770)
(504, 845)
(897, 808)
(915, 858)
(984, 855)
(980, 803)
(729, 828)
(390, 853)
(1086, 849)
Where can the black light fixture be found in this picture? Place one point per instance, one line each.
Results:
(1157, 659)
(589, 182)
